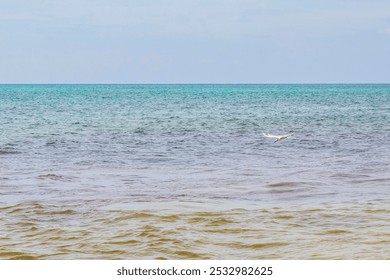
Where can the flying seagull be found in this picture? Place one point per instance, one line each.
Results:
(279, 137)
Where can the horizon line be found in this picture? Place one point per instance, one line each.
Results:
(324, 83)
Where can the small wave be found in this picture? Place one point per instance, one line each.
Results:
(255, 246)
(51, 142)
(126, 242)
(17, 256)
(219, 222)
(8, 152)
(284, 217)
(134, 216)
(288, 187)
(52, 176)
(60, 212)
(283, 184)
(189, 255)
(335, 232)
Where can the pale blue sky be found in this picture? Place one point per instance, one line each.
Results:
(194, 41)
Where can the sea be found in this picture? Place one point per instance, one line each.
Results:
(184, 171)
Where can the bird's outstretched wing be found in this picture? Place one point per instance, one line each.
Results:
(270, 135)
(286, 135)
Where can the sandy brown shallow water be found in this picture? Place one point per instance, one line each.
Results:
(38, 230)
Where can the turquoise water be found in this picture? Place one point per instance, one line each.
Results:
(179, 148)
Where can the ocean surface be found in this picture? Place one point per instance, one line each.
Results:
(184, 172)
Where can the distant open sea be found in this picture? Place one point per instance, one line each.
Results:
(184, 172)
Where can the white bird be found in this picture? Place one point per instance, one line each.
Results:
(278, 137)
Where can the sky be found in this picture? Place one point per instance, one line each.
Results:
(194, 41)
